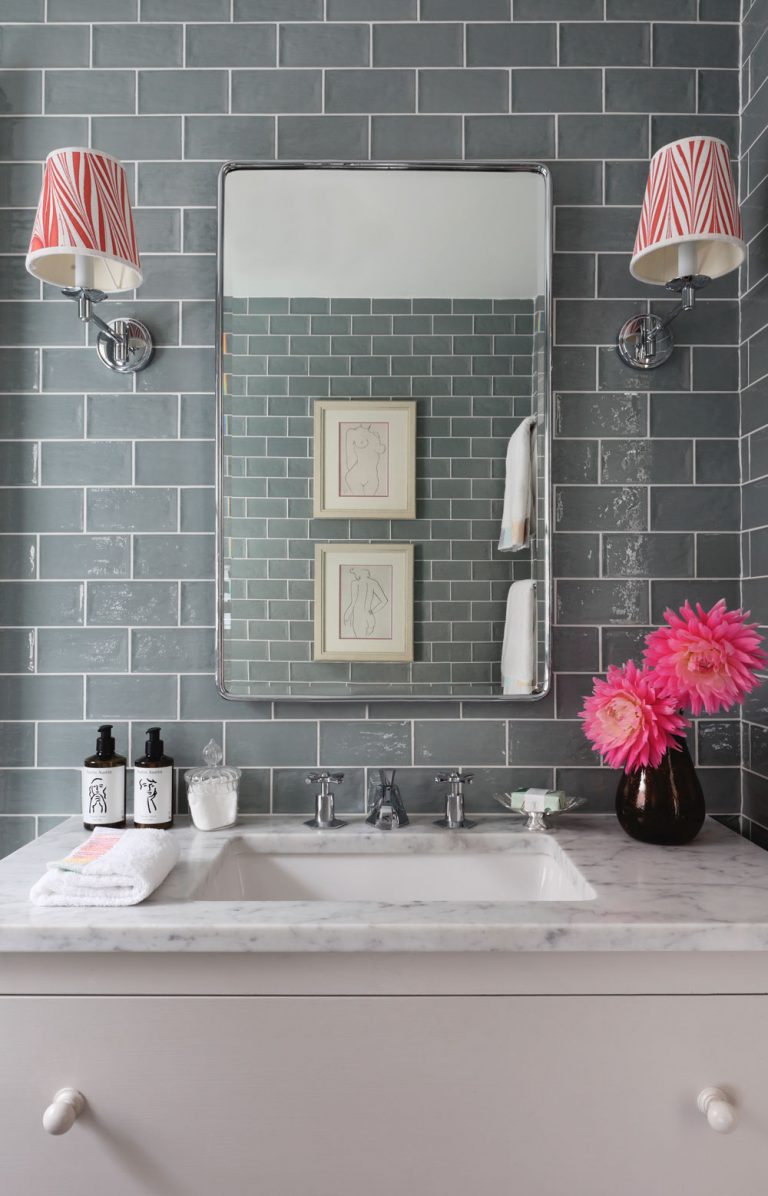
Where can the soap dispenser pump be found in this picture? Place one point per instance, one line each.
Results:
(153, 785)
(104, 784)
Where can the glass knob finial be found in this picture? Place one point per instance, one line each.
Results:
(212, 753)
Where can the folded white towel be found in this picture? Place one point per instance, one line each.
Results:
(519, 488)
(518, 653)
(110, 868)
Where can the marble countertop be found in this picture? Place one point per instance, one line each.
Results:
(709, 896)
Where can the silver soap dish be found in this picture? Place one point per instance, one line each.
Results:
(537, 818)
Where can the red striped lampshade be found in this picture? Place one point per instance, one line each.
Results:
(690, 215)
(84, 213)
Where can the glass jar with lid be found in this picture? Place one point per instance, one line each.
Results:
(212, 791)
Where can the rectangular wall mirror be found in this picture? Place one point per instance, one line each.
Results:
(383, 335)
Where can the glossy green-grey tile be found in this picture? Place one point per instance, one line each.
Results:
(135, 137)
(222, 137)
(182, 91)
(168, 651)
(84, 556)
(37, 697)
(144, 697)
(127, 509)
(93, 10)
(139, 44)
(177, 556)
(132, 417)
(370, 91)
(15, 832)
(21, 92)
(177, 462)
(41, 510)
(323, 45)
(198, 603)
(45, 46)
(86, 90)
(133, 603)
(82, 650)
(17, 650)
(79, 463)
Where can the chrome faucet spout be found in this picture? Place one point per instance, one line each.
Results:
(388, 812)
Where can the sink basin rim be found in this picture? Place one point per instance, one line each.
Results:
(367, 867)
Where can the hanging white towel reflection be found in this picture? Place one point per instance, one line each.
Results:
(519, 488)
(518, 653)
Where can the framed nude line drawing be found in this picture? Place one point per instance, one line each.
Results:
(363, 602)
(365, 459)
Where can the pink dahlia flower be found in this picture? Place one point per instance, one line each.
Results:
(628, 720)
(705, 659)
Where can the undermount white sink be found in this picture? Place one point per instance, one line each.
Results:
(529, 868)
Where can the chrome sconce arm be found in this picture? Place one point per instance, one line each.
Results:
(125, 346)
(645, 341)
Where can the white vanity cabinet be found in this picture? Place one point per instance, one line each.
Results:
(371, 1096)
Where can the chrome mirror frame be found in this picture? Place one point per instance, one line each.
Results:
(544, 513)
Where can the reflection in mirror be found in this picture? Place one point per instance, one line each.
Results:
(384, 432)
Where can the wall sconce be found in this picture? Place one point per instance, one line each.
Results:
(689, 233)
(83, 241)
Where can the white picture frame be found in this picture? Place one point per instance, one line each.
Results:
(363, 602)
(364, 459)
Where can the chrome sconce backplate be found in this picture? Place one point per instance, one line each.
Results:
(645, 341)
(131, 348)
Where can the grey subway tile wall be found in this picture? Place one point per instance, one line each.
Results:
(106, 512)
(754, 398)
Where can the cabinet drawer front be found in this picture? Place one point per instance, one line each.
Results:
(365, 1096)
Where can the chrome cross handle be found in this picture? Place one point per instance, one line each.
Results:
(454, 799)
(325, 818)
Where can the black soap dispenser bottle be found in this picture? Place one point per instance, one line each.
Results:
(153, 785)
(104, 784)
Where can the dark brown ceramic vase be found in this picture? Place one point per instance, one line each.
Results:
(664, 804)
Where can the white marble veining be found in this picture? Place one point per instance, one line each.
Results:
(709, 896)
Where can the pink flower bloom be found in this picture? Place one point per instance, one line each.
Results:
(628, 720)
(705, 659)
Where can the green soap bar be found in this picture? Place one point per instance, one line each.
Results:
(537, 799)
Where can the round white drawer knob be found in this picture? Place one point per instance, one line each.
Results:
(718, 1109)
(61, 1115)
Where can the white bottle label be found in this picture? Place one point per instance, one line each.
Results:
(152, 795)
(103, 795)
